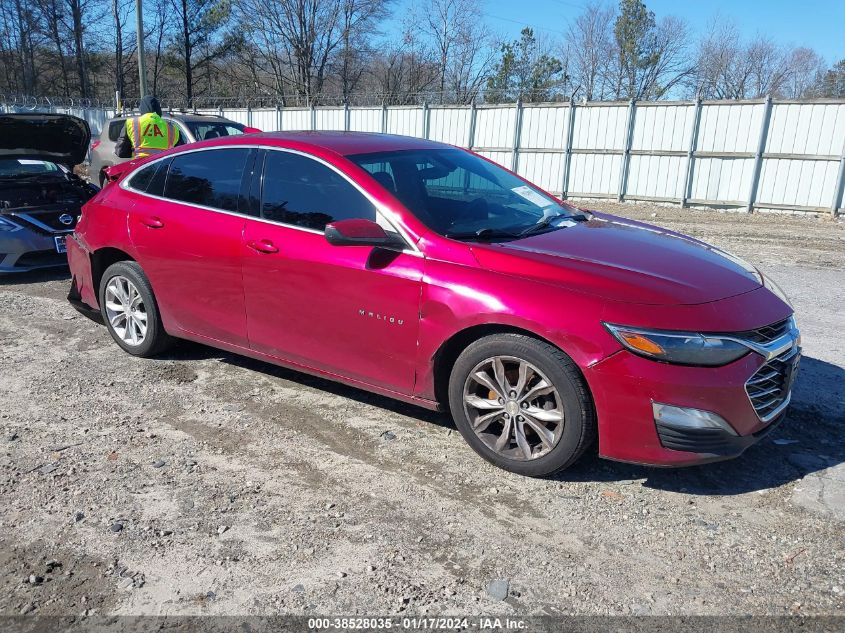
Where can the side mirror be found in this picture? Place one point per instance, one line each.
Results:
(360, 232)
(251, 130)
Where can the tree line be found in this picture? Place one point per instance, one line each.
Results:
(304, 52)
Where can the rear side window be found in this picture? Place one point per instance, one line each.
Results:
(115, 127)
(301, 191)
(156, 186)
(142, 178)
(210, 178)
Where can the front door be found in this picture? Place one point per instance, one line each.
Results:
(347, 310)
(188, 235)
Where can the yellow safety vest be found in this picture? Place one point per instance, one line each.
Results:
(150, 134)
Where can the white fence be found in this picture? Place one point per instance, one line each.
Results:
(759, 154)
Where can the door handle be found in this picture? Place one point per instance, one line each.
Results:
(152, 222)
(263, 246)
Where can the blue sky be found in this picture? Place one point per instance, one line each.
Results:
(815, 23)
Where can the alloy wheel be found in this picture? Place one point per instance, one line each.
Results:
(513, 408)
(126, 311)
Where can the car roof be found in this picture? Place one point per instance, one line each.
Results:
(347, 143)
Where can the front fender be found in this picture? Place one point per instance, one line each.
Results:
(456, 298)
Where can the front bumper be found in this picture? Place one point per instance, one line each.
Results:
(26, 250)
(625, 387)
(711, 443)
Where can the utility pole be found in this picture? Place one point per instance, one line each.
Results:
(142, 65)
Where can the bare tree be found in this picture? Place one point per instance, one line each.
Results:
(669, 64)
(404, 70)
(358, 23)
(768, 65)
(806, 74)
(78, 18)
(463, 45)
(297, 39)
(591, 50)
(121, 13)
(726, 67)
(202, 37)
(158, 34)
(20, 33)
(50, 18)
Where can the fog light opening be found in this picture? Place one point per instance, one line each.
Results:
(689, 418)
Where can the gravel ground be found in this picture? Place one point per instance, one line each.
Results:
(204, 483)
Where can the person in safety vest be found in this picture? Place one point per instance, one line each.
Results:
(147, 133)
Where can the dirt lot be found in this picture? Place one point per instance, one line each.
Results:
(206, 483)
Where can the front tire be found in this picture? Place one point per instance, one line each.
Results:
(522, 404)
(130, 311)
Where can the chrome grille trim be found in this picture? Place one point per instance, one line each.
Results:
(772, 379)
(772, 348)
(767, 333)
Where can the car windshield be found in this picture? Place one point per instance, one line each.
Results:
(17, 167)
(205, 130)
(463, 196)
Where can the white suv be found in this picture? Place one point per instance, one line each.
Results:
(192, 128)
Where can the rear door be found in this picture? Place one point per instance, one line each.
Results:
(352, 310)
(188, 229)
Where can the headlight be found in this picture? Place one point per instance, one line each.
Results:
(680, 348)
(7, 226)
(776, 290)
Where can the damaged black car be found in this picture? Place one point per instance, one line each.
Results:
(40, 196)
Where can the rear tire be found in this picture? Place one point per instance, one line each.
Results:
(522, 404)
(130, 311)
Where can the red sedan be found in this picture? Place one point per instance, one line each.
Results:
(429, 274)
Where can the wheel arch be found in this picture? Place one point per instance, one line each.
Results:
(448, 352)
(101, 259)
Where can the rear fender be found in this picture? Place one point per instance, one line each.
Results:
(117, 172)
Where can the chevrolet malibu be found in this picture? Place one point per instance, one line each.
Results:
(429, 274)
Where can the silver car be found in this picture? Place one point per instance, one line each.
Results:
(192, 128)
(40, 196)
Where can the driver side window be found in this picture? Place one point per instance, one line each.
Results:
(300, 191)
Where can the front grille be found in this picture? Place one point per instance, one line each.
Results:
(48, 222)
(766, 334)
(769, 388)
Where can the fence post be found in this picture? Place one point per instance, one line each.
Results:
(426, 120)
(693, 144)
(626, 154)
(346, 115)
(840, 184)
(313, 117)
(517, 136)
(758, 156)
(248, 114)
(383, 117)
(472, 117)
(567, 157)
(278, 118)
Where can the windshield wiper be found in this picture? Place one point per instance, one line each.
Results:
(546, 221)
(486, 233)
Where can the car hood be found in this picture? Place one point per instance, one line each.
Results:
(59, 138)
(624, 260)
